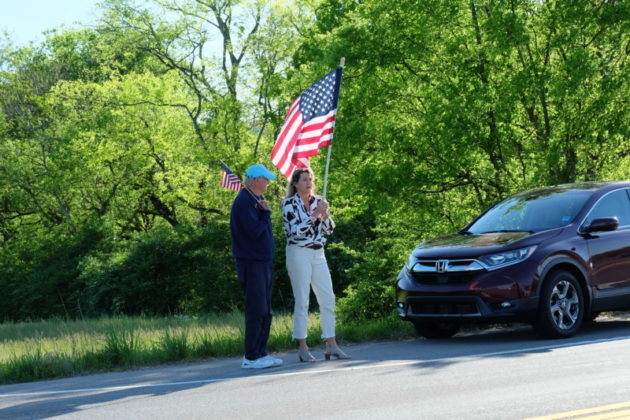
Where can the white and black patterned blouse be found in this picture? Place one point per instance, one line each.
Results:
(299, 226)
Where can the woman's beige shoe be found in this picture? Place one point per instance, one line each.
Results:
(306, 356)
(336, 352)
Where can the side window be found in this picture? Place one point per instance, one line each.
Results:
(615, 204)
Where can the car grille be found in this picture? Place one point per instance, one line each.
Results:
(446, 266)
(444, 308)
(445, 278)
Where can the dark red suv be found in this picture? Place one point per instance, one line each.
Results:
(553, 257)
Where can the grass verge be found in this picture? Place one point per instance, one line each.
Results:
(60, 348)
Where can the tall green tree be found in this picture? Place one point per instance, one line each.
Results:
(110, 137)
(448, 106)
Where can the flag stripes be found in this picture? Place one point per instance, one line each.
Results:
(308, 126)
(229, 180)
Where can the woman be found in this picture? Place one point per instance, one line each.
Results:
(306, 221)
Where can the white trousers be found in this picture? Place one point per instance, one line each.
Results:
(308, 268)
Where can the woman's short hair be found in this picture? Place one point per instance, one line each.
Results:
(295, 177)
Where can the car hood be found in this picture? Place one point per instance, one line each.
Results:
(465, 246)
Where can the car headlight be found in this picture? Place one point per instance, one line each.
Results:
(503, 259)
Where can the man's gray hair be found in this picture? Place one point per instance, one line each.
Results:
(248, 180)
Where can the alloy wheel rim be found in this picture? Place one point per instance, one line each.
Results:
(564, 305)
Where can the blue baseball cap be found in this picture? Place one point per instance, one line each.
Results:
(257, 170)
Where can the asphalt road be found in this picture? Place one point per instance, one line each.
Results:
(494, 374)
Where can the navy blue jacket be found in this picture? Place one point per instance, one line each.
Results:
(250, 226)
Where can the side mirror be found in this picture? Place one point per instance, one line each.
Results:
(603, 224)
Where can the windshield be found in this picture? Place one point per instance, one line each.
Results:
(532, 211)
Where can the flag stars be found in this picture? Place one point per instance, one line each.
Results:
(308, 126)
(318, 100)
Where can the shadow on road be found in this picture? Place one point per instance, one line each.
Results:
(52, 405)
(506, 341)
(74, 395)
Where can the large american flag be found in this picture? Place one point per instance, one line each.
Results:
(308, 125)
(229, 180)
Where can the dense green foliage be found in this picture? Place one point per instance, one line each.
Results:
(110, 137)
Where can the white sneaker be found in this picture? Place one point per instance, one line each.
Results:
(275, 360)
(260, 363)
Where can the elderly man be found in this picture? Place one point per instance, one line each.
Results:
(253, 249)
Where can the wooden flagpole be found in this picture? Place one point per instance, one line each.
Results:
(342, 63)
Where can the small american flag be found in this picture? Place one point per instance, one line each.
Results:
(229, 180)
(308, 125)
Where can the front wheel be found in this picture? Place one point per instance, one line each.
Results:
(561, 306)
(436, 329)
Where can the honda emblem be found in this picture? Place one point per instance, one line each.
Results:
(440, 266)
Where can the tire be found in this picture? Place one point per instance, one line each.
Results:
(436, 329)
(561, 306)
